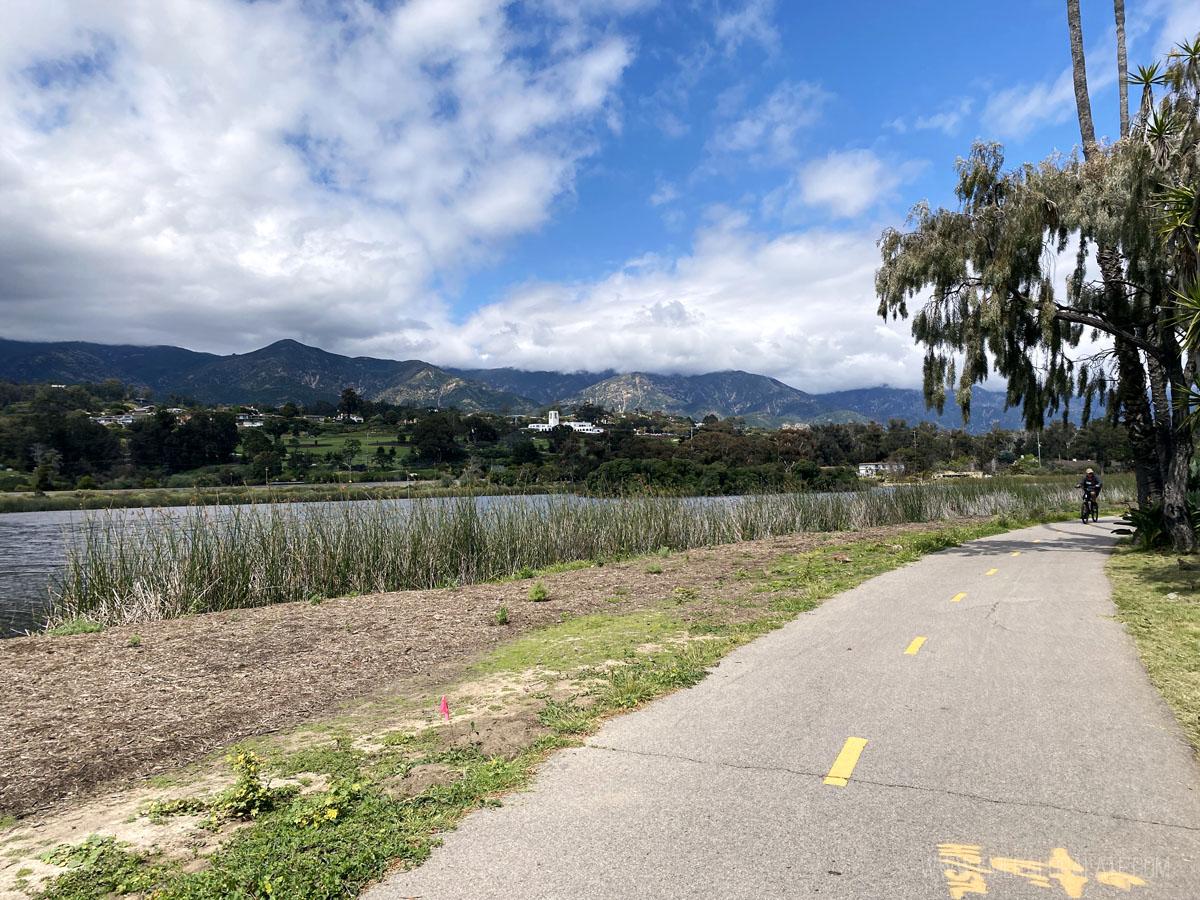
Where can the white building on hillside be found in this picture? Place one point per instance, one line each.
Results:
(580, 427)
(877, 469)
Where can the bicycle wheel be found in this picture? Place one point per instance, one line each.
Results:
(1083, 514)
(1095, 511)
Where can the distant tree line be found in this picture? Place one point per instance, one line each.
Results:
(49, 440)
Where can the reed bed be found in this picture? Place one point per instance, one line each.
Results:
(130, 567)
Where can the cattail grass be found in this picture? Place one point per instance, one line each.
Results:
(136, 566)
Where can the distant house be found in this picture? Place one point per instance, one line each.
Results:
(876, 469)
(578, 427)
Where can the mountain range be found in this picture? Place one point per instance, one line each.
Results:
(290, 371)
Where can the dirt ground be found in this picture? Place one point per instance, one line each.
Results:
(91, 713)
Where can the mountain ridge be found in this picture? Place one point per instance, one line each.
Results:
(288, 370)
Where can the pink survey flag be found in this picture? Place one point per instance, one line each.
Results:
(444, 709)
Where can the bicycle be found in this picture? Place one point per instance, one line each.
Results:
(1090, 507)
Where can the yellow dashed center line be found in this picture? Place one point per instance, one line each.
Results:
(843, 766)
(990, 572)
(957, 597)
(914, 646)
(1037, 540)
(1016, 553)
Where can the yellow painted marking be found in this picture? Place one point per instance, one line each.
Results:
(914, 646)
(990, 572)
(966, 867)
(957, 597)
(1016, 553)
(843, 766)
(1037, 540)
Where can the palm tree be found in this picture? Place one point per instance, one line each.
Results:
(1079, 69)
(1122, 66)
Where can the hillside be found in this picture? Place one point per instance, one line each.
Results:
(544, 388)
(723, 394)
(879, 404)
(284, 371)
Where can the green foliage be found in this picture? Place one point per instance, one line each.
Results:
(76, 626)
(502, 615)
(654, 569)
(249, 797)
(99, 867)
(538, 592)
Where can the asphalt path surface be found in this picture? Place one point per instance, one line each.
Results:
(1019, 751)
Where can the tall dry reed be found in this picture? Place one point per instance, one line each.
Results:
(127, 567)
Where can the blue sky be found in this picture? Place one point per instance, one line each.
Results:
(655, 186)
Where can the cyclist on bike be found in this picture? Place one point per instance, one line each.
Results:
(1091, 486)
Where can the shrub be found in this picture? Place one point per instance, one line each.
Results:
(538, 592)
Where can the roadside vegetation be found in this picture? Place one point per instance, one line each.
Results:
(1158, 598)
(124, 568)
(325, 816)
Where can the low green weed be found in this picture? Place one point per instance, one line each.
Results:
(538, 592)
(76, 626)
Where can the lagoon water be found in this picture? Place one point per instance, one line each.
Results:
(31, 553)
(33, 548)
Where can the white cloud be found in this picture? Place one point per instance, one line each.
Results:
(666, 192)
(751, 23)
(847, 183)
(768, 132)
(1016, 111)
(232, 173)
(948, 120)
(799, 307)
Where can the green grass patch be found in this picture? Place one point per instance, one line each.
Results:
(76, 626)
(338, 759)
(582, 641)
(1159, 602)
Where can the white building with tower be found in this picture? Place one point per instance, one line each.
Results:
(580, 427)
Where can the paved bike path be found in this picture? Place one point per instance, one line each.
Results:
(1019, 752)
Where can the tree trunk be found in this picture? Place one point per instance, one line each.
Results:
(1175, 457)
(1175, 507)
(1134, 405)
(1122, 66)
(1083, 105)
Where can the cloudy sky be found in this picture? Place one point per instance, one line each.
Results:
(674, 186)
